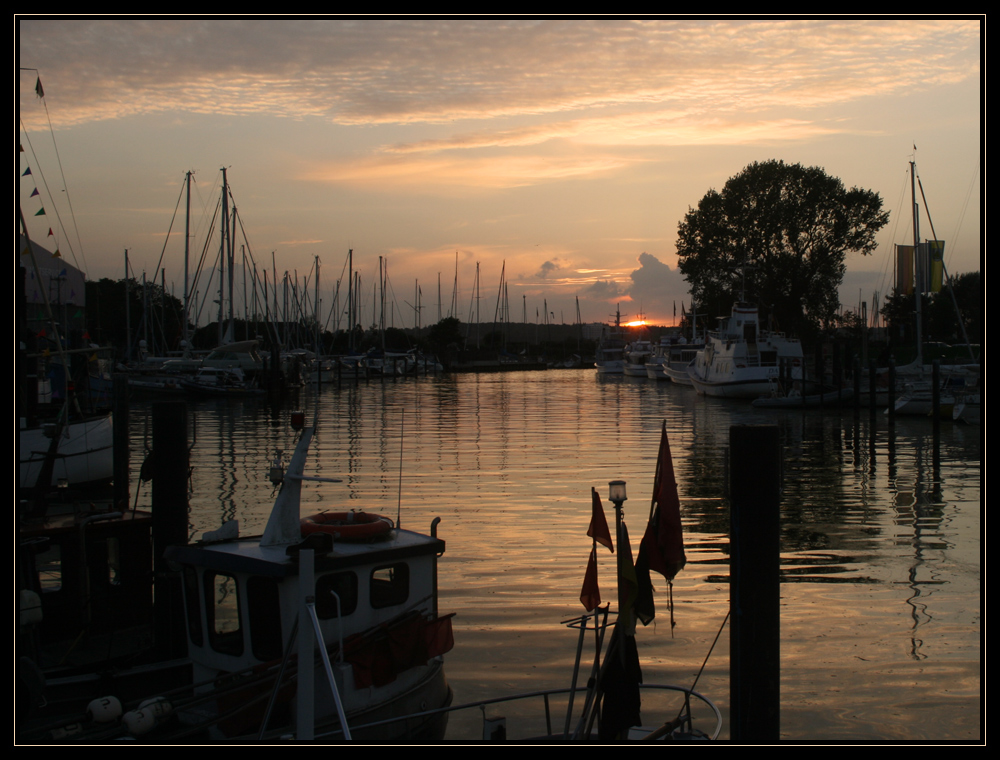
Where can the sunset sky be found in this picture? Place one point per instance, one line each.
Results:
(569, 149)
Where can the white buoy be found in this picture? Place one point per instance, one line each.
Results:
(159, 706)
(144, 719)
(105, 709)
(139, 722)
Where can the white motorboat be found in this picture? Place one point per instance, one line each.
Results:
(740, 360)
(610, 358)
(636, 354)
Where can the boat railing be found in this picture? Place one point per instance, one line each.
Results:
(684, 716)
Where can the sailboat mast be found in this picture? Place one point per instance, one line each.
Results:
(187, 247)
(918, 271)
(316, 308)
(350, 301)
(128, 314)
(223, 252)
(231, 247)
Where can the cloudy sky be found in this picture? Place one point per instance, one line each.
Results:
(567, 151)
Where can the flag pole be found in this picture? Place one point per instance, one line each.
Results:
(616, 489)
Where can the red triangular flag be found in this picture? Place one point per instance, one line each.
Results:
(590, 594)
(598, 529)
(663, 542)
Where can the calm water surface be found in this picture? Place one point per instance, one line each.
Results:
(881, 550)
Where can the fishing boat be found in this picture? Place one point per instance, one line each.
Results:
(374, 590)
(355, 582)
(740, 360)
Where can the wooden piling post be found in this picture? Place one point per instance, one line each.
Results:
(170, 521)
(754, 568)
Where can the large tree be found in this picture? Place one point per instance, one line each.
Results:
(778, 233)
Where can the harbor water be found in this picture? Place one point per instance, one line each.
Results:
(881, 552)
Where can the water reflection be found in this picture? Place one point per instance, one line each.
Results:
(880, 530)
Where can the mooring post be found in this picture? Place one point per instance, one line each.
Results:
(872, 391)
(936, 395)
(119, 441)
(892, 391)
(856, 368)
(754, 566)
(170, 520)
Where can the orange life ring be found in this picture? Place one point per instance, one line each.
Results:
(347, 526)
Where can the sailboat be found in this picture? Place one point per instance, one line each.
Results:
(922, 267)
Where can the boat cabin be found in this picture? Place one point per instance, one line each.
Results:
(372, 594)
(376, 604)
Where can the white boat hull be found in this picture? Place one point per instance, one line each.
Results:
(750, 384)
(611, 368)
(84, 454)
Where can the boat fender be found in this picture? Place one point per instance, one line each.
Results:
(347, 526)
(145, 719)
(139, 722)
(160, 706)
(105, 709)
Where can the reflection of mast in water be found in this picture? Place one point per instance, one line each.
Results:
(923, 512)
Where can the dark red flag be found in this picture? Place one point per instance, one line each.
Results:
(663, 543)
(590, 594)
(598, 529)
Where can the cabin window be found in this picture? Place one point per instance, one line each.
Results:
(49, 566)
(264, 617)
(222, 613)
(390, 585)
(345, 586)
(191, 604)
